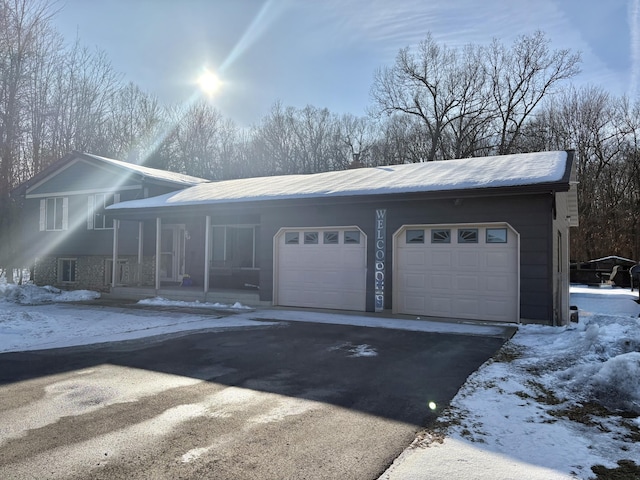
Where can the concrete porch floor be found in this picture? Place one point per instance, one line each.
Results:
(250, 298)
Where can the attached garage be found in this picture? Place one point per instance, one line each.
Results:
(457, 271)
(483, 238)
(320, 268)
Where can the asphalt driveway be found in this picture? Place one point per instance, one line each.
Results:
(286, 401)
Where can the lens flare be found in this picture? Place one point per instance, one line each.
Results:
(209, 82)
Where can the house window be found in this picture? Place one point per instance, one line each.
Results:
(54, 213)
(415, 236)
(352, 237)
(310, 238)
(441, 236)
(234, 246)
(331, 238)
(67, 270)
(102, 221)
(496, 235)
(291, 238)
(468, 235)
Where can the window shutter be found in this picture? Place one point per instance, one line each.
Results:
(65, 213)
(90, 212)
(43, 214)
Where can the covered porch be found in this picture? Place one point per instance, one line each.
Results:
(191, 258)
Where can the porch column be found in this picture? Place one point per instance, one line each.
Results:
(207, 232)
(158, 246)
(140, 234)
(140, 242)
(114, 265)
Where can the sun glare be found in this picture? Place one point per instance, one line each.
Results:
(209, 82)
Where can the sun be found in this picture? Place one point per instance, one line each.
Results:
(209, 82)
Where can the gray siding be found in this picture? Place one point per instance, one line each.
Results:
(77, 240)
(82, 176)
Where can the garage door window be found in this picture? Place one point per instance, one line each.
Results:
(441, 236)
(352, 237)
(415, 236)
(291, 238)
(496, 235)
(330, 238)
(310, 238)
(468, 235)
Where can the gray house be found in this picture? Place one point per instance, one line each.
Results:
(481, 238)
(66, 232)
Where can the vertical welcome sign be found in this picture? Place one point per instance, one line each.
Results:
(381, 244)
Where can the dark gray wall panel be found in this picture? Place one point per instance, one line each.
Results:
(79, 177)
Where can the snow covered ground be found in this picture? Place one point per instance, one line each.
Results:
(553, 403)
(34, 318)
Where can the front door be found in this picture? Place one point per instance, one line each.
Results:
(172, 248)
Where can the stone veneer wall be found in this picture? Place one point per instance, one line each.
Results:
(91, 271)
(45, 271)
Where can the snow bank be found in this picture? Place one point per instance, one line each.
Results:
(163, 302)
(605, 363)
(562, 399)
(34, 295)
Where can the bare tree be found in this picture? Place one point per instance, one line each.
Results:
(521, 76)
(83, 97)
(201, 143)
(353, 138)
(275, 142)
(311, 127)
(604, 132)
(134, 123)
(22, 26)
(468, 122)
(420, 85)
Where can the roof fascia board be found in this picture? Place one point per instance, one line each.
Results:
(74, 157)
(205, 209)
(83, 192)
(143, 177)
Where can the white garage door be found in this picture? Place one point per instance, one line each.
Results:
(320, 268)
(467, 272)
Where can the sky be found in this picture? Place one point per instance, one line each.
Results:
(325, 52)
(505, 422)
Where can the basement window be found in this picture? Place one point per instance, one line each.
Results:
(67, 270)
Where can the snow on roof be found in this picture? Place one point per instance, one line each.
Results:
(152, 173)
(464, 174)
